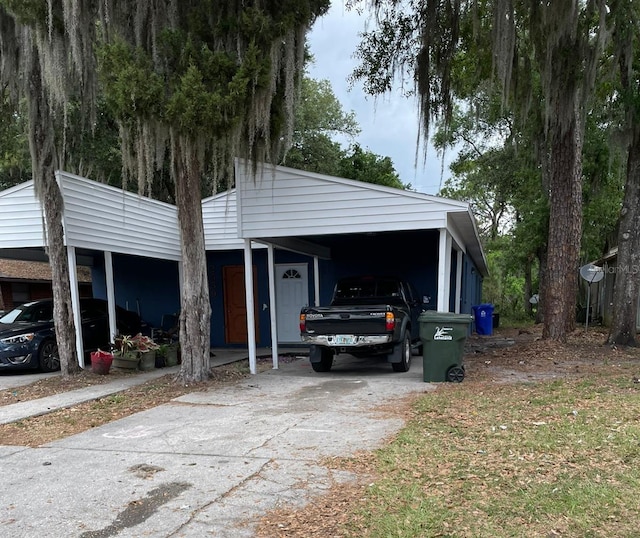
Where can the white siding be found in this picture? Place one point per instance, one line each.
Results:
(219, 216)
(20, 217)
(283, 202)
(102, 217)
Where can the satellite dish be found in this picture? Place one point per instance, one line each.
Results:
(591, 273)
(535, 298)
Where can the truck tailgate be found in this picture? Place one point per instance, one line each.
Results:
(368, 319)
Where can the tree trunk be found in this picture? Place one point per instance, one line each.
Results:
(542, 280)
(528, 286)
(195, 315)
(627, 282)
(44, 164)
(565, 229)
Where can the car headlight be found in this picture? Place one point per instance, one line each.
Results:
(18, 339)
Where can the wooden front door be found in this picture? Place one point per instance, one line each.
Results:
(235, 309)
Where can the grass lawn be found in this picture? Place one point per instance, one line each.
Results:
(552, 458)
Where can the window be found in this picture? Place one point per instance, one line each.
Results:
(20, 293)
(291, 273)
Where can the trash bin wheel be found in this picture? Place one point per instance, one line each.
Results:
(455, 374)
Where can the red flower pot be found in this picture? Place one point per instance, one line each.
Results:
(101, 362)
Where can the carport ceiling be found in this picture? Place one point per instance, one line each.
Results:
(369, 244)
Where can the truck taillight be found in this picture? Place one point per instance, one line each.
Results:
(303, 322)
(391, 321)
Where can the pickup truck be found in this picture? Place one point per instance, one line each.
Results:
(368, 315)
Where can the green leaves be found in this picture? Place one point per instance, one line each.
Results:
(132, 87)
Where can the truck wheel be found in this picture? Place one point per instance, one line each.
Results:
(325, 363)
(405, 363)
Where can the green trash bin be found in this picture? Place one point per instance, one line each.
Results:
(443, 335)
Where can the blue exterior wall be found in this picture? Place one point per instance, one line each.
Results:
(452, 279)
(217, 260)
(471, 286)
(145, 285)
(151, 286)
(410, 256)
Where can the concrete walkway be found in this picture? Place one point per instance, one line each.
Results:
(208, 463)
(42, 406)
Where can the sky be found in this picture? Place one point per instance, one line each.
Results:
(389, 123)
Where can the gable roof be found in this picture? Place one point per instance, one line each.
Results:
(280, 202)
(102, 217)
(96, 217)
(21, 216)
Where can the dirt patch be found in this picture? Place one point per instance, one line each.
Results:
(520, 355)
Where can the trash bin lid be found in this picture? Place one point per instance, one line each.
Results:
(444, 317)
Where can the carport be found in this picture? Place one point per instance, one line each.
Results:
(338, 225)
(357, 227)
(99, 221)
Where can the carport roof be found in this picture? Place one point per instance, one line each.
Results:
(283, 206)
(293, 209)
(96, 217)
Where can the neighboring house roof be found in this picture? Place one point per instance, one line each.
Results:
(23, 271)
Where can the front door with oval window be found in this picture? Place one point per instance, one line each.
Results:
(292, 293)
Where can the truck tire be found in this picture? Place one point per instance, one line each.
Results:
(405, 363)
(325, 363)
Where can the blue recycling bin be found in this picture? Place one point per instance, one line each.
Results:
(483, 317)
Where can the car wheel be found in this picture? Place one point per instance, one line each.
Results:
(325, 363)
(405, 363)
(48, 357)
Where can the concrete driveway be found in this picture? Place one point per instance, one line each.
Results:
(207, 464)
(11, 379)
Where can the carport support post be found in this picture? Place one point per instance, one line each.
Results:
(458, 281)
(75, 303)
(272, 310)
(111, 296)
(316, 281)
(444, 270)
(248, 290)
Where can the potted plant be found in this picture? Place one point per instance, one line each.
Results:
(171, 354)
(101, 361)
(133, 352)
(146, 348)
(124, 353)
(167, 354)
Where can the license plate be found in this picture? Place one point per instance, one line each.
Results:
(345, 339)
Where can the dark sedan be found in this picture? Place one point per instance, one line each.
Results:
(27, 337)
